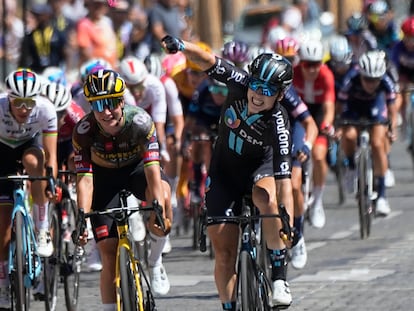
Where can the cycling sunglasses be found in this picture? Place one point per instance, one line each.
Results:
(267, 90)
(109, 103)
(215, 89)
(19, 103)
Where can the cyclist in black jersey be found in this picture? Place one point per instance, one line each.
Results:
(116, 148)
(252, 154)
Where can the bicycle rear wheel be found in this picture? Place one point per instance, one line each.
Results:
(51, 264)
(19, 291)
(364, 200)
(130, 285)
(252, 290)
(71, 259)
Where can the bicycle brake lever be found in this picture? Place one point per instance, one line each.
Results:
(158, 213)
(285, 219)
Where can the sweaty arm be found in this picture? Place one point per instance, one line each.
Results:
(284, 195)
(311, 130)
(143, 126)
(49, 136)
(84, 191)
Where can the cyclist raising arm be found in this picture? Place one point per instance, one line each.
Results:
(116, 148)
(252, 148)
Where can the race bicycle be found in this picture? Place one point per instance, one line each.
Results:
(24, 263)
(129, 274)
(254, 287)
(64, 265)
(197, 194)
(366, 195)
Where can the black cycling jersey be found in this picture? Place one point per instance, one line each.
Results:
(246, 139)
(249, 147)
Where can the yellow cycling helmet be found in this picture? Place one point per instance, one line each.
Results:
(104, 83)
(193, 66)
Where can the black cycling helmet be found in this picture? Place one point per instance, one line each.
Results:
(273, 69)
(104, 83)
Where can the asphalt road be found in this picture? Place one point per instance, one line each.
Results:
(343, 272)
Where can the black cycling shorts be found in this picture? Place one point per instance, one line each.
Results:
(107, 183)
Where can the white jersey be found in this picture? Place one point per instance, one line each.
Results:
(41, 121)
(153, 100)
(173, 100)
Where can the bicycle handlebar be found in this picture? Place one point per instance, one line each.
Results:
(363, 123)
(20, 178)
(118, 213)
(285, 231)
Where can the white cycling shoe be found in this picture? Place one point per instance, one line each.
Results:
(281, 296)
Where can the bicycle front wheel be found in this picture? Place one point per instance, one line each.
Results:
(19, 291)
(252, 290)
(364, 200)
(51, 264)
(130, 286)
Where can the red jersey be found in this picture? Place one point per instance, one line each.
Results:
(73, 114)
(321, 90)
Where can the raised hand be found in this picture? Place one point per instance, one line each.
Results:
(172, 45)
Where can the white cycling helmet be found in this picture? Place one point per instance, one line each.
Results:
(373, 64)
(23, 83)
(58, 94)
(153, 62)
(133, 70)
(339, 50)
(311, 50)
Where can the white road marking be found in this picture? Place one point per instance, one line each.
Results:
(350, 275)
